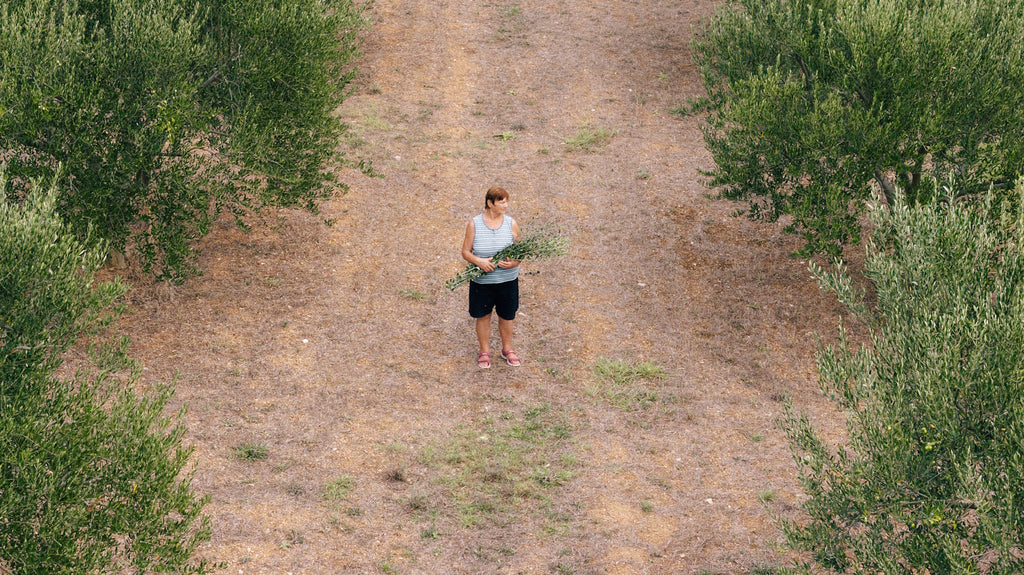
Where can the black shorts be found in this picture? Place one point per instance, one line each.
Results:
(503, 297)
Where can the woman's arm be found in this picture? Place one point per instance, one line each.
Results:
(515, 238)
(467, 250)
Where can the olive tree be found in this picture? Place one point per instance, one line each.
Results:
(93, 475)
(165, 113)
(811, 101)
(930, 479)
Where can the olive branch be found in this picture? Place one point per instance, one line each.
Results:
(544, 241)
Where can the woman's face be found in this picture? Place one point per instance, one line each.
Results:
(499, 206)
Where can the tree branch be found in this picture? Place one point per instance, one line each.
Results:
(213, 77)
(887, 187)
(803, 69)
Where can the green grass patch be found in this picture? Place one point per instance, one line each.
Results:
(626, 384)
(338, 489)
(251, 451)
(512, 21)
(589, 139)
(501, 468)
(374, 121)
(413, 294)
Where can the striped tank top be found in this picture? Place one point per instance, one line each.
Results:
(487, 242)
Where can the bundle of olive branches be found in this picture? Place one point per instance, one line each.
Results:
(543, 241)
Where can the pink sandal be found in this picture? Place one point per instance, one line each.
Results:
(511, 357)
(483, 360)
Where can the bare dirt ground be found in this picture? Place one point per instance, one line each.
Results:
(336, 349)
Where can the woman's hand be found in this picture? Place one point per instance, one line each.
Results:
(486, 264)
(508, 264)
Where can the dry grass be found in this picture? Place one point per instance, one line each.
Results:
(336, 348)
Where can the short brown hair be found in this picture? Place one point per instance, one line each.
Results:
(494, 194)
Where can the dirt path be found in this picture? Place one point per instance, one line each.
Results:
(336, 349)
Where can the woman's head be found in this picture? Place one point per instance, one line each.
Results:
(494, 194)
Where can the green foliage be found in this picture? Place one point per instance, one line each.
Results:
(811, 100)
(931, 478)
(166, 113)
(92, 475)
(45, 304)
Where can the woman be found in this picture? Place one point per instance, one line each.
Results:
(498, 289)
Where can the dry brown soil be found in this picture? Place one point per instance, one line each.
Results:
(336, 348)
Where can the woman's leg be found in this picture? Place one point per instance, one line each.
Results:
(505, 331)
(507, 353)
(483, 333)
